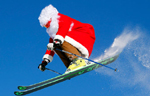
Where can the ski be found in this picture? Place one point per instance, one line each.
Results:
(35, 87)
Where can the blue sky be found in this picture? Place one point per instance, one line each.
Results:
(23, 43)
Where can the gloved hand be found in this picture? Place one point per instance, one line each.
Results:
(56, 43)
(43, 64)
(50, 46)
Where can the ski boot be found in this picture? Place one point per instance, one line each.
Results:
(76, 64)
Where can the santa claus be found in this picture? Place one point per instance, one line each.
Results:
(66, 34)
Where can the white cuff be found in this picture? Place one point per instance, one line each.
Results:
(49, 57)
(60, 38)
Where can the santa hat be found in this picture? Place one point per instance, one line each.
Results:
(46, 14)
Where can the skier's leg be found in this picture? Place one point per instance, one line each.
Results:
(65, 57)
(69, 48)
(71, 62)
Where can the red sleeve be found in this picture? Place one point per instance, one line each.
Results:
(49, 52)
(50, 40)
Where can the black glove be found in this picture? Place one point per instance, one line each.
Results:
(57, 42)
(42, 65)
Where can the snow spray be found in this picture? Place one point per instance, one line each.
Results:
(133, 63)
(120, 43)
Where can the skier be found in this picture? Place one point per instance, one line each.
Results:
(66, 34)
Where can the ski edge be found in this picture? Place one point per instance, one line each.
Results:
(66, 77)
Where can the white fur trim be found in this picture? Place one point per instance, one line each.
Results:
(49, 57)
(59, 37)
(47, 13)
(79, 46)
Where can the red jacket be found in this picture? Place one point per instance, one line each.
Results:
(80, 35)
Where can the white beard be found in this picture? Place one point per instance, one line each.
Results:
(52, 30)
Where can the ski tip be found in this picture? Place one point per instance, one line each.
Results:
(18, 93)
(22, 87)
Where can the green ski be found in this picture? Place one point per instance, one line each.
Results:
(63, 77)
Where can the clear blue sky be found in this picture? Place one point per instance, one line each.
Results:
(23, 43)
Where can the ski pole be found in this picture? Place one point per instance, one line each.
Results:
(53, 71)
(86, 59)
